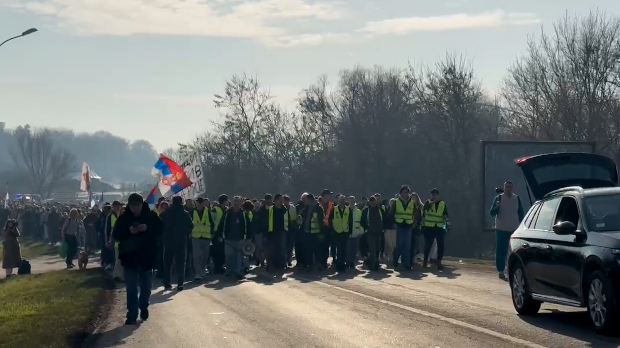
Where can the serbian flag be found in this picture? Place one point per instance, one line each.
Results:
(172, 178)
(151, 197)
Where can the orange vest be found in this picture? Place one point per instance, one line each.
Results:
(328, 211)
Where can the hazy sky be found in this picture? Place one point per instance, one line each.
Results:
(149, 68)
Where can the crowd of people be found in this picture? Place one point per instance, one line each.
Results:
(198, 237)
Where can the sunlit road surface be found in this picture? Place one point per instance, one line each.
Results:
(463, 307)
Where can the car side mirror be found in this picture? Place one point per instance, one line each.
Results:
(565, 228)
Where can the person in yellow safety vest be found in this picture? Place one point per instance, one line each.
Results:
(403, 216)
(156, 209)
(235, 229)
(326, 243)
(292, 230)
(434, 220)
(353, 244)
(202, 233)
(372, 221)
(217, 244)
(311, 222)
(278, 222)
(118, 271)
(341, 223)
(260, 233)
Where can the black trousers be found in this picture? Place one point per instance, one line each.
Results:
(430, 235)
(339, 246)
(217, 253)
(176, 255)
(312, 248)
(374, 244)
(300, 248)
(72, 248)
(415, 233)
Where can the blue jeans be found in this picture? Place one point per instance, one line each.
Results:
(502, 238)
(233, 250)
(135, 279)
(403, 245)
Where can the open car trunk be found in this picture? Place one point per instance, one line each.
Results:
(548, 172)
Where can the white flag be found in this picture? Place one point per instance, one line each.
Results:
(6, 200)
(85, 182)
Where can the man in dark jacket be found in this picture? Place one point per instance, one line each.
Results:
(234, 228)
(372, 221)
(137, 230)
(177, 228)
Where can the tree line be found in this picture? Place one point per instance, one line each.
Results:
(41, 161)
(374, 129)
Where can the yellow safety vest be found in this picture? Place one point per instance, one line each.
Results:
(202, 226)
(250, 215)
(357, 219)
(112, 223)
(341, 223)
(292, 211)
(403, 215)
(286, 218)
(156, 211)
(314, 223)
(219, 212)
(434, 217)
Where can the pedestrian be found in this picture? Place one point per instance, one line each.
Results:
(404, 208)
(177, 226)
(234, 229)
(137, 230)
(508, 212)
(278, 224)
(357, 232)
(435, 218)
(11, 251)
(70, 231)
(202, 234)
(372, 221)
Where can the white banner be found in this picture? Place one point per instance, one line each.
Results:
(192, 165)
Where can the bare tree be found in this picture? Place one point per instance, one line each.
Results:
(566, 86)
(44, 164)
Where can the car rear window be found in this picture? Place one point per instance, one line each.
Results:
(602, 213)
(571, 171)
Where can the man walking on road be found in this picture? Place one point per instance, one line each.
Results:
(137, 230)
(201, 237)
(177, 226)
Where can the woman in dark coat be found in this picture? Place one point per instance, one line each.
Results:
(11, 253)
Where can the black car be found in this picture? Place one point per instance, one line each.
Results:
(567, 249)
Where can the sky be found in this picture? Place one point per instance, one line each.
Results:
(148, 69)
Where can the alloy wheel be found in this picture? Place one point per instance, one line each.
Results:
(597, 302)
(518, 288)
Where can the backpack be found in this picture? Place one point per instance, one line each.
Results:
(24, 267)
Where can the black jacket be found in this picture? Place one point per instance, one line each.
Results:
(177, 226)
(225, 230)
(137, 250)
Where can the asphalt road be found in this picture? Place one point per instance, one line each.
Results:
(460, 307)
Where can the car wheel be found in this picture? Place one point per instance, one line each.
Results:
(521, 299)
(601, 303)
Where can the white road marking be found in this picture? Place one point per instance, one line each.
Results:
(431, 315)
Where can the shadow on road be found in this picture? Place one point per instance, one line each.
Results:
(571, 324)
(116, 336)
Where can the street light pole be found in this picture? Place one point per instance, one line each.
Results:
(27, 32)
